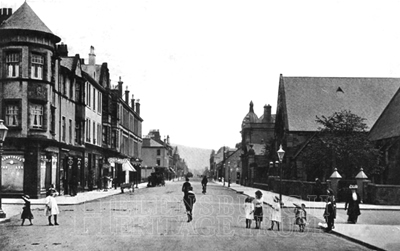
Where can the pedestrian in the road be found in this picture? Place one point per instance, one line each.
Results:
(51, 206)
(301, 216)
(249, 211)
(26, 210)
(330, 210)
(352, 205)
(276, 215)
(204, 182)
(185, 186)
(258, 209)
(189, 199)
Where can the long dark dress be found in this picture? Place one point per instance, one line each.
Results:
(353, 208)
(26, 211)
(330, 211)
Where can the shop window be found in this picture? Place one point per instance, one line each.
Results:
(13, 60)
(37, 63)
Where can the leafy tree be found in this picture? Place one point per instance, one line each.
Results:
(341, 142)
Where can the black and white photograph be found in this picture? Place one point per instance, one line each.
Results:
(199, 125)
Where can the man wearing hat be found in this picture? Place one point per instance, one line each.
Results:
(330, 210)
(352, 205)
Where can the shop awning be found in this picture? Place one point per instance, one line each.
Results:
(127, 166)
(172, 170)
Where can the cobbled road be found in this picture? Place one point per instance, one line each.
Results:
(155, 219)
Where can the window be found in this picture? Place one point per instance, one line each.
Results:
(63, 129)
(94, 99)
(37, 62)
(94, 132)
(158, 152)
(158, 162)
(12, 64)
(12, 115)
(70, 131)
(99, 102)
(36, 115)
(53, 120)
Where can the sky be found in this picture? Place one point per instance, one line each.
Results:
(196, 65)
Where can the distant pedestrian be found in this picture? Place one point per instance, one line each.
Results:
(318, 189)
(185, 186)
(51, 206)
(300, 216)
(204, 182)
(330, 210)
(249, 211)
(26, 210)
(258, 209)
(352, 205)
(189, 199)
(276, 215)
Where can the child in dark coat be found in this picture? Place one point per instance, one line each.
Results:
(26, 210)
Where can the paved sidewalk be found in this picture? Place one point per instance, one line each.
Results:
(379, 237)
(13, 206)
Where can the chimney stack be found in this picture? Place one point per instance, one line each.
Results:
(267, 114)
(127, 95)
(5, 14)
(62, 50)
(138, 107)
(120, 87)
(92, 56)
(133, 103)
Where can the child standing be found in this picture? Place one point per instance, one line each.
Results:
(258, 209)
(301, 216)
(51, 206)
(276, 213)
(249, 210)
(26, 210)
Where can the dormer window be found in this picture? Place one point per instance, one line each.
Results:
(37, 62)
(12, 63)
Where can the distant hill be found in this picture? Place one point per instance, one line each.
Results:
(195, 158)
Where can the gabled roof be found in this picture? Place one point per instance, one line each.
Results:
(388, 124)
(72, 64)
(308, 97)
(24, 18)
(148, 142)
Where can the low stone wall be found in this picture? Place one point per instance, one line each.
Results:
(295, 188)
(382, 194)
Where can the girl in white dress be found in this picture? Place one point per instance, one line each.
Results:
(276, 215)
(51, 206)
(249, 210)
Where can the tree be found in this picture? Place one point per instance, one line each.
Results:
(341, 142)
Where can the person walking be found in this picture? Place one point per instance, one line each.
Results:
(276, 215)
(258, 209)
(249, 211)
(330, 210)
(185, 186)
(204, 182)
(26, 210)
(51, 206)
(189, 199)
(352, 205)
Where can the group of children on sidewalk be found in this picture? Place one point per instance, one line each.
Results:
(253, 210)
(51, 208)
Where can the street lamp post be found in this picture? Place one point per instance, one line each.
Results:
(229, 174)
(281, 153)
(3, 134)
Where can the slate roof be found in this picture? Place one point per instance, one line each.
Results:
(388, 124)
(308, 97)
(148, 142)
(24, 18)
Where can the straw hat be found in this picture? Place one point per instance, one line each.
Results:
(26, 197)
